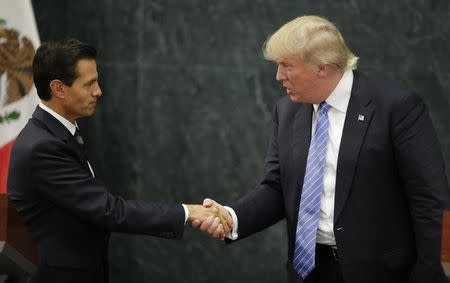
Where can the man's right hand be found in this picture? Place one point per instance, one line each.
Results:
(211, 218)
(217, 227)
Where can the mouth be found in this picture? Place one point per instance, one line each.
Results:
(287, 88)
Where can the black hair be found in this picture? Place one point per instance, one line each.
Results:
(58, 60)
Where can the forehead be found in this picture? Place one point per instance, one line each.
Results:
(290, 59)
(86, 68)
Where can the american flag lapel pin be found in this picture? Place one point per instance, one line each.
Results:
(361, 117)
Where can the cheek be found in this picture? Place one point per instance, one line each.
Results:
(80, 102)
(84, 97)
(295, 82)
(290, 78)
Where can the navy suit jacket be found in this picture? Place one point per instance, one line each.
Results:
(70, 213)
(391, 185)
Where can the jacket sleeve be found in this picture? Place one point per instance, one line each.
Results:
(264, 206)
(59, 177)
(422, 169)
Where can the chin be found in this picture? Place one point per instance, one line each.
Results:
(89, 113)
(295, 99)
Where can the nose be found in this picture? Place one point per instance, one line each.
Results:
(97, 91)
(280, 76)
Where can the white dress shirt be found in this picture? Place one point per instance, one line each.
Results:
(338, 100)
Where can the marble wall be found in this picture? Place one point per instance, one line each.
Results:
(186, 106)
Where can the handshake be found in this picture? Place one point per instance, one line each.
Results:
(211, 218)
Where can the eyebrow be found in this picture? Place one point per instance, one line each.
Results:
(91, 81)
(284, 63)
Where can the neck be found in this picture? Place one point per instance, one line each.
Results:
(331, 82)
(58, 108)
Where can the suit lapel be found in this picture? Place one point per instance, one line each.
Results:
(357, 121)
(52, 124)
(80, 152)
(300, 145)
(60, 131)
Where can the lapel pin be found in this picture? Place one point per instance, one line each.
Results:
(361, 117)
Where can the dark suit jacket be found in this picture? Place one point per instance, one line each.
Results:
(391, 185)
(68, 212)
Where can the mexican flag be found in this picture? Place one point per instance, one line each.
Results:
(18, 99)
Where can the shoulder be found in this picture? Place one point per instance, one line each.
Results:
(284, 103)
(286, 108)
(36, 138)
(385, 93)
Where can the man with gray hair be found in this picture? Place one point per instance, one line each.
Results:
(353, 165)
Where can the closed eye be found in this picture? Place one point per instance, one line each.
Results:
(90, 83)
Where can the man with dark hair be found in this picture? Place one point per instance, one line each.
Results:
(67, 210)
(57, 59)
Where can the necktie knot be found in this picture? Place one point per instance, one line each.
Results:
(324, 107)
(78, 137)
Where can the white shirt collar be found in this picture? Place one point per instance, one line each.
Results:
(340, 96)
(71, 127)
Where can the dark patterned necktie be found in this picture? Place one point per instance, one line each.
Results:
(78, 137)
(80, 143)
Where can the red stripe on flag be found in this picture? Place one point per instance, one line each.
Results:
(5, 152)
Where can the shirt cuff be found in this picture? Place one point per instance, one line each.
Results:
(186, 213)
(233, 235)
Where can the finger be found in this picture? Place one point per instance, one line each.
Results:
(225, 226)
(222, 233)
(219, 232)
(196, 223)
(207, 223)
(226, 229)
(227, 220)
(214, 226)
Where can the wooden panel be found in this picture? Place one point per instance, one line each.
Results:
(14, 232)
(445, 250)
(3, 216)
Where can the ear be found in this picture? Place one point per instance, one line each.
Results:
(323, 70)
(57, 88)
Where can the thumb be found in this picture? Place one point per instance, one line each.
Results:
(196, 223)
(208, 202)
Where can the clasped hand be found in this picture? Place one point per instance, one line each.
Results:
(211, 218)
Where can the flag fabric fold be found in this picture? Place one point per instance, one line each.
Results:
(19, 39)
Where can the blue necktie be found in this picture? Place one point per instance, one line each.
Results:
(308, 213)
